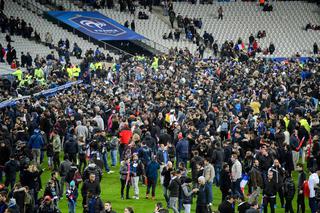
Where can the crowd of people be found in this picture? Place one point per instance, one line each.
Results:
(191, 124)
(243, 126)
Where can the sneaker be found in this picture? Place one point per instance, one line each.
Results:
(136, 197)
(153, 198)
(147, 196)
(110, 172)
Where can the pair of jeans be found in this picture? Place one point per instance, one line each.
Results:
(62, 182)
(113, 157)
(281, 195)
(173, 204)
(208, 186)
(217, 169)
(123, 185)
(313, 204)
(266, 201)
(183, 160)
(300, 204)
(71, 207)
(135, 184)
(105, 161)
(288, 205)
(201, 209)
(56, 160)
(82, 162)
(36, 155)
(187, 208)
(151, 184)
(10, 181)
(50, 161)
(165, 194)
(122, 147)
(236, 189)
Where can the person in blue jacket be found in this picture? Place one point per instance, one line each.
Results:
(36, 143)
(152, 176)
(182, 150)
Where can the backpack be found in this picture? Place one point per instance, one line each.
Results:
(224, 127)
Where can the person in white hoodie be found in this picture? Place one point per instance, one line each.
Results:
(98, 119)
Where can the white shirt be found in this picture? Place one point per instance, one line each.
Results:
(313, 181)
(236, 170)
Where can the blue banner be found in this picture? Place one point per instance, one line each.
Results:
(95, 25)
(12, 102)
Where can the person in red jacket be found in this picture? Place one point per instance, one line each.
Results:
(125, 136)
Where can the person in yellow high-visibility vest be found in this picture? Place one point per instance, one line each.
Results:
(76, 72)
(92, 67)
(42, 81)
(70, 72)
(29, 79)
(18, 74)
(38, 73)
(155, 63)
(98, 65)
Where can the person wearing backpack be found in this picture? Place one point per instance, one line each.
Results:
(144, 153)
(289, 191)
(224, 127)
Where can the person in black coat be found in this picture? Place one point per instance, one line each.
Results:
(271, 48)
(227, 205)
(225, 181)
(11, 168)
(4, 156)
(133, 26)
(269, 193)
(91, 186)
(289, 191)
(174, 188)
(315, 48)
(243, 205)
(166, 173)
(300, 197)
(71, 147)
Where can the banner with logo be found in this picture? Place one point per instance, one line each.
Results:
(95, 25)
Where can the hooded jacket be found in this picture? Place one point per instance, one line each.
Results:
(36, 140)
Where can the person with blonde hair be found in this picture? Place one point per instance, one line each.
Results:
(202, 198)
